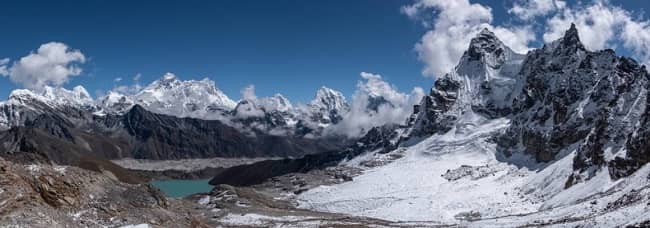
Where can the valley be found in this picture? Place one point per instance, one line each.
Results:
(556, 137)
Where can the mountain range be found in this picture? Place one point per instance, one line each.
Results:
(558, 135)
(554, 136)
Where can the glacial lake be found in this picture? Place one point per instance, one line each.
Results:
(182, 188)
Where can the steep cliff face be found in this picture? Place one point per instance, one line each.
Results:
(128, 130)
(559, 98)
(24, 107)
(481, 83)
(558, 136)
(575, 98)
(32, 145)
(637, 148)
(155, 136)
(171, 96)
(328, 106)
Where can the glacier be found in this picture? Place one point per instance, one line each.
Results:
(508, 140)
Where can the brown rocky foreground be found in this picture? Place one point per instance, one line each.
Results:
(43, 195)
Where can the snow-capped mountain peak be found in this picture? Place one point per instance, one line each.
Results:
(54, 96)
(248, 109)
(485, 52)
(567, 126)
(77, 96)
(484, 82)
(568, 45)
(571, 38)
(168, 80)
(169, 95)
(329, 99)
(485, 41)
(169, 77)
(328, 106)
(25, 104)
(116, 102)
(276, 103)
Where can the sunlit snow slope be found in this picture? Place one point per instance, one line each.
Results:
(430, 184)
(555, 137)
(413, 188)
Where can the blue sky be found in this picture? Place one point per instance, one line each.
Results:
(292, 47)
(287, 46)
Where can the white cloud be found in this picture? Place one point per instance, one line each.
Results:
(515, 37)
(636, 37)
(527, 10)
(3, 67)
(602, 25)
(455, 24)
(248, 93)
(375, 86)
(249, 109)
(396, 108)
(596, 24)
(128, 89)
(137, 77)
(52, 64)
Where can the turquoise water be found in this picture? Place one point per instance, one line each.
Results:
(182, 188)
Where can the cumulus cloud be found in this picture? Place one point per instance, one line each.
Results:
(515, 37)
(376, 103)
(636, 37)
(249, 108)
(602, 25)
(527, 10)
(52, 64)
(596, 24)
(455, 24)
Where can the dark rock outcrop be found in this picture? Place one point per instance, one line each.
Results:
(145, 135)
(559, 98)
(33, 145)
(573, 96)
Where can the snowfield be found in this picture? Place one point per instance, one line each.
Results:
(413, 188)
(486, 190)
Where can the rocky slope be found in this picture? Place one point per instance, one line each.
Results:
(203, 100)
(41, 195)
(559, 98)
(120, 126)
(556, 136)
(62, 196)
(482, 83)
(572, 96)
(194, 99)
(142, 134)
(155, 136)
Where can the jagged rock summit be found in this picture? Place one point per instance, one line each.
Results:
(483, 82)
(556, 136)
(328, 106)
(559, 98)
